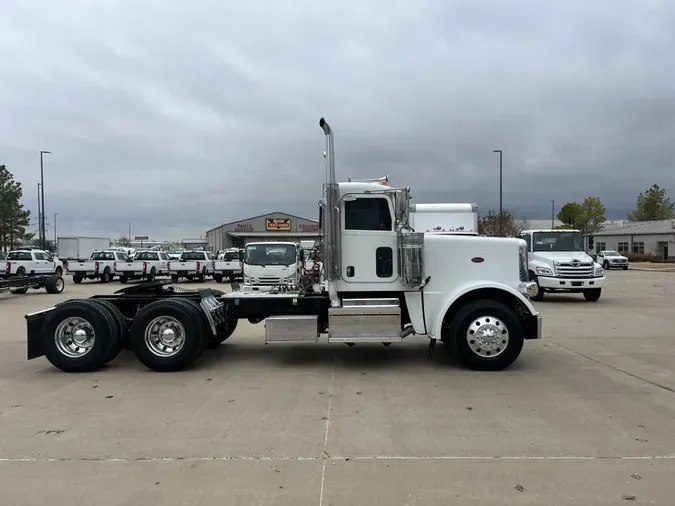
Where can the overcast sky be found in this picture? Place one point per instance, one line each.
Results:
(179, 116)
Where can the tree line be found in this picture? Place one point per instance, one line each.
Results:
(587, 216)
(14, 219)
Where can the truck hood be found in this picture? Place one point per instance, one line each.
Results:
(561, 256)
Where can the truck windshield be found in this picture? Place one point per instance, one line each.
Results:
(270, 254)
(611, 254)
(103, 255)
(231, 256)
(19, 255)
(146, 255)
(192, 255)
(558, 241)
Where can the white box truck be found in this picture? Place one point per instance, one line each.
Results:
(80, 248)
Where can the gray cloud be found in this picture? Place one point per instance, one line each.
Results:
(179, 116)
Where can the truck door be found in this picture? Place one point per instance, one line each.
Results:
(369, 244)
(41, 264)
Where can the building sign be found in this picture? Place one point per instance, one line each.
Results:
(278, 225)
(313, 227)
(141, 238)
(243, 227)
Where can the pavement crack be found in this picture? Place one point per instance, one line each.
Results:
(325, 455)
(618, 369)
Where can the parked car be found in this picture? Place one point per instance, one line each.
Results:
(612, 259)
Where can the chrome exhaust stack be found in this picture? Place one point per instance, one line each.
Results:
(331, 219)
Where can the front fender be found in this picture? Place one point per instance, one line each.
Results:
(464, 289)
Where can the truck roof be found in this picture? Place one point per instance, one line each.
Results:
(550, 230)
(272, 242)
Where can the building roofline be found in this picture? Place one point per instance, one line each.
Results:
(260, 216)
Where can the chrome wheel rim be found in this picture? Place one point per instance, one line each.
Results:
(487, 336)
(165, 336)
(74, 337)
(59, 284)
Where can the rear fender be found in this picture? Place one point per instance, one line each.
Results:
(34, 323)
(473, 291)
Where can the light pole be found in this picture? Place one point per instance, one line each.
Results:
(42, 198)
(39, 215)
(55, 215)
(501, 221)
(129, 237)
(553, 214)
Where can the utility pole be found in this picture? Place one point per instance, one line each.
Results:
(129, 236)
(42, 199)
(39, 218)
(55, 215)
(501, 210)
(553, 214)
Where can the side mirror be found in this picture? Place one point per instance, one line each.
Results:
(401, 204)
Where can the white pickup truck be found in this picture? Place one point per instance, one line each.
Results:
(101, 265)
(229, 265)
(26, 262)
(192, 265)
(558, 263)
(145, 265)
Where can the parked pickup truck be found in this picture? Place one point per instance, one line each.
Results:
(101, 265)
(27, 262)
(145, 265)
(191, 265)
(228, 265)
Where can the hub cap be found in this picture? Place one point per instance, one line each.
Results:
(487, 336)
(164, 336)
(74, 337)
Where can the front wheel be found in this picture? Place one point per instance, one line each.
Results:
(625, 268)
(487, 335)
(605, 265)
(540, 292)
(592, 295)
(58, 272)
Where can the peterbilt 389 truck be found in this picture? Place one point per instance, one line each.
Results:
(382, 281)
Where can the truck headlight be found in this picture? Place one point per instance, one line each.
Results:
(599, 271)
(543, 271)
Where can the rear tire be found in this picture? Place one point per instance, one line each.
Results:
(174, 279)
(77, 280)
(168, 335)
(121, 330)
(151, 276)
(123, 279)
(487, 335)
(21, 272)
(592, 295)
(96, 331)
(605, 265)
(218, 278)
(19, 291)
(105, 277)
(55, 284)
(625, 268)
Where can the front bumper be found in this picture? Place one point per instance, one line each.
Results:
(570, 284)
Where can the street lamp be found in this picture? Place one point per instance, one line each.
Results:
(42, 198)
(553, 214)
(55, 215)
(501, 221)
(38, 217)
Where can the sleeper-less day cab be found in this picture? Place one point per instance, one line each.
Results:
(381, 282)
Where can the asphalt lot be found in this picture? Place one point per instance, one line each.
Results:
(585, 416)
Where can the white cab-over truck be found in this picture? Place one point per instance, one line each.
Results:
(101, 266)
(145, 265)
(228, 265)
(192, 265)
(383, 283)
(31, 262)
(558, 264)
(272, 264)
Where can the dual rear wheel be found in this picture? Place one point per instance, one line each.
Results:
(82, 335)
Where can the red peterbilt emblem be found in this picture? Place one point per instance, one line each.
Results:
(477, 260)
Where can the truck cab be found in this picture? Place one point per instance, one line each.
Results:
(272, 264)
(559, 264)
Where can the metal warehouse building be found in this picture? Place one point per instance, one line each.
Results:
(275, 226)
(656, 238)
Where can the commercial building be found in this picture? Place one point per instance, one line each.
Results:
(656, 238)
(276, 226)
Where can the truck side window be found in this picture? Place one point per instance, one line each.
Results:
(368, 214)
(384, 262)
(528, 240)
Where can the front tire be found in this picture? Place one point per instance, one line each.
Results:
(592, 295)
(58, 272)
(487, 335)
(625, 268)
(55, 284)
(540, 292)
(605, 265)
(168, 335)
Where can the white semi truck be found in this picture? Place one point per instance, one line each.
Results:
(559, 264)
(383, 283)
